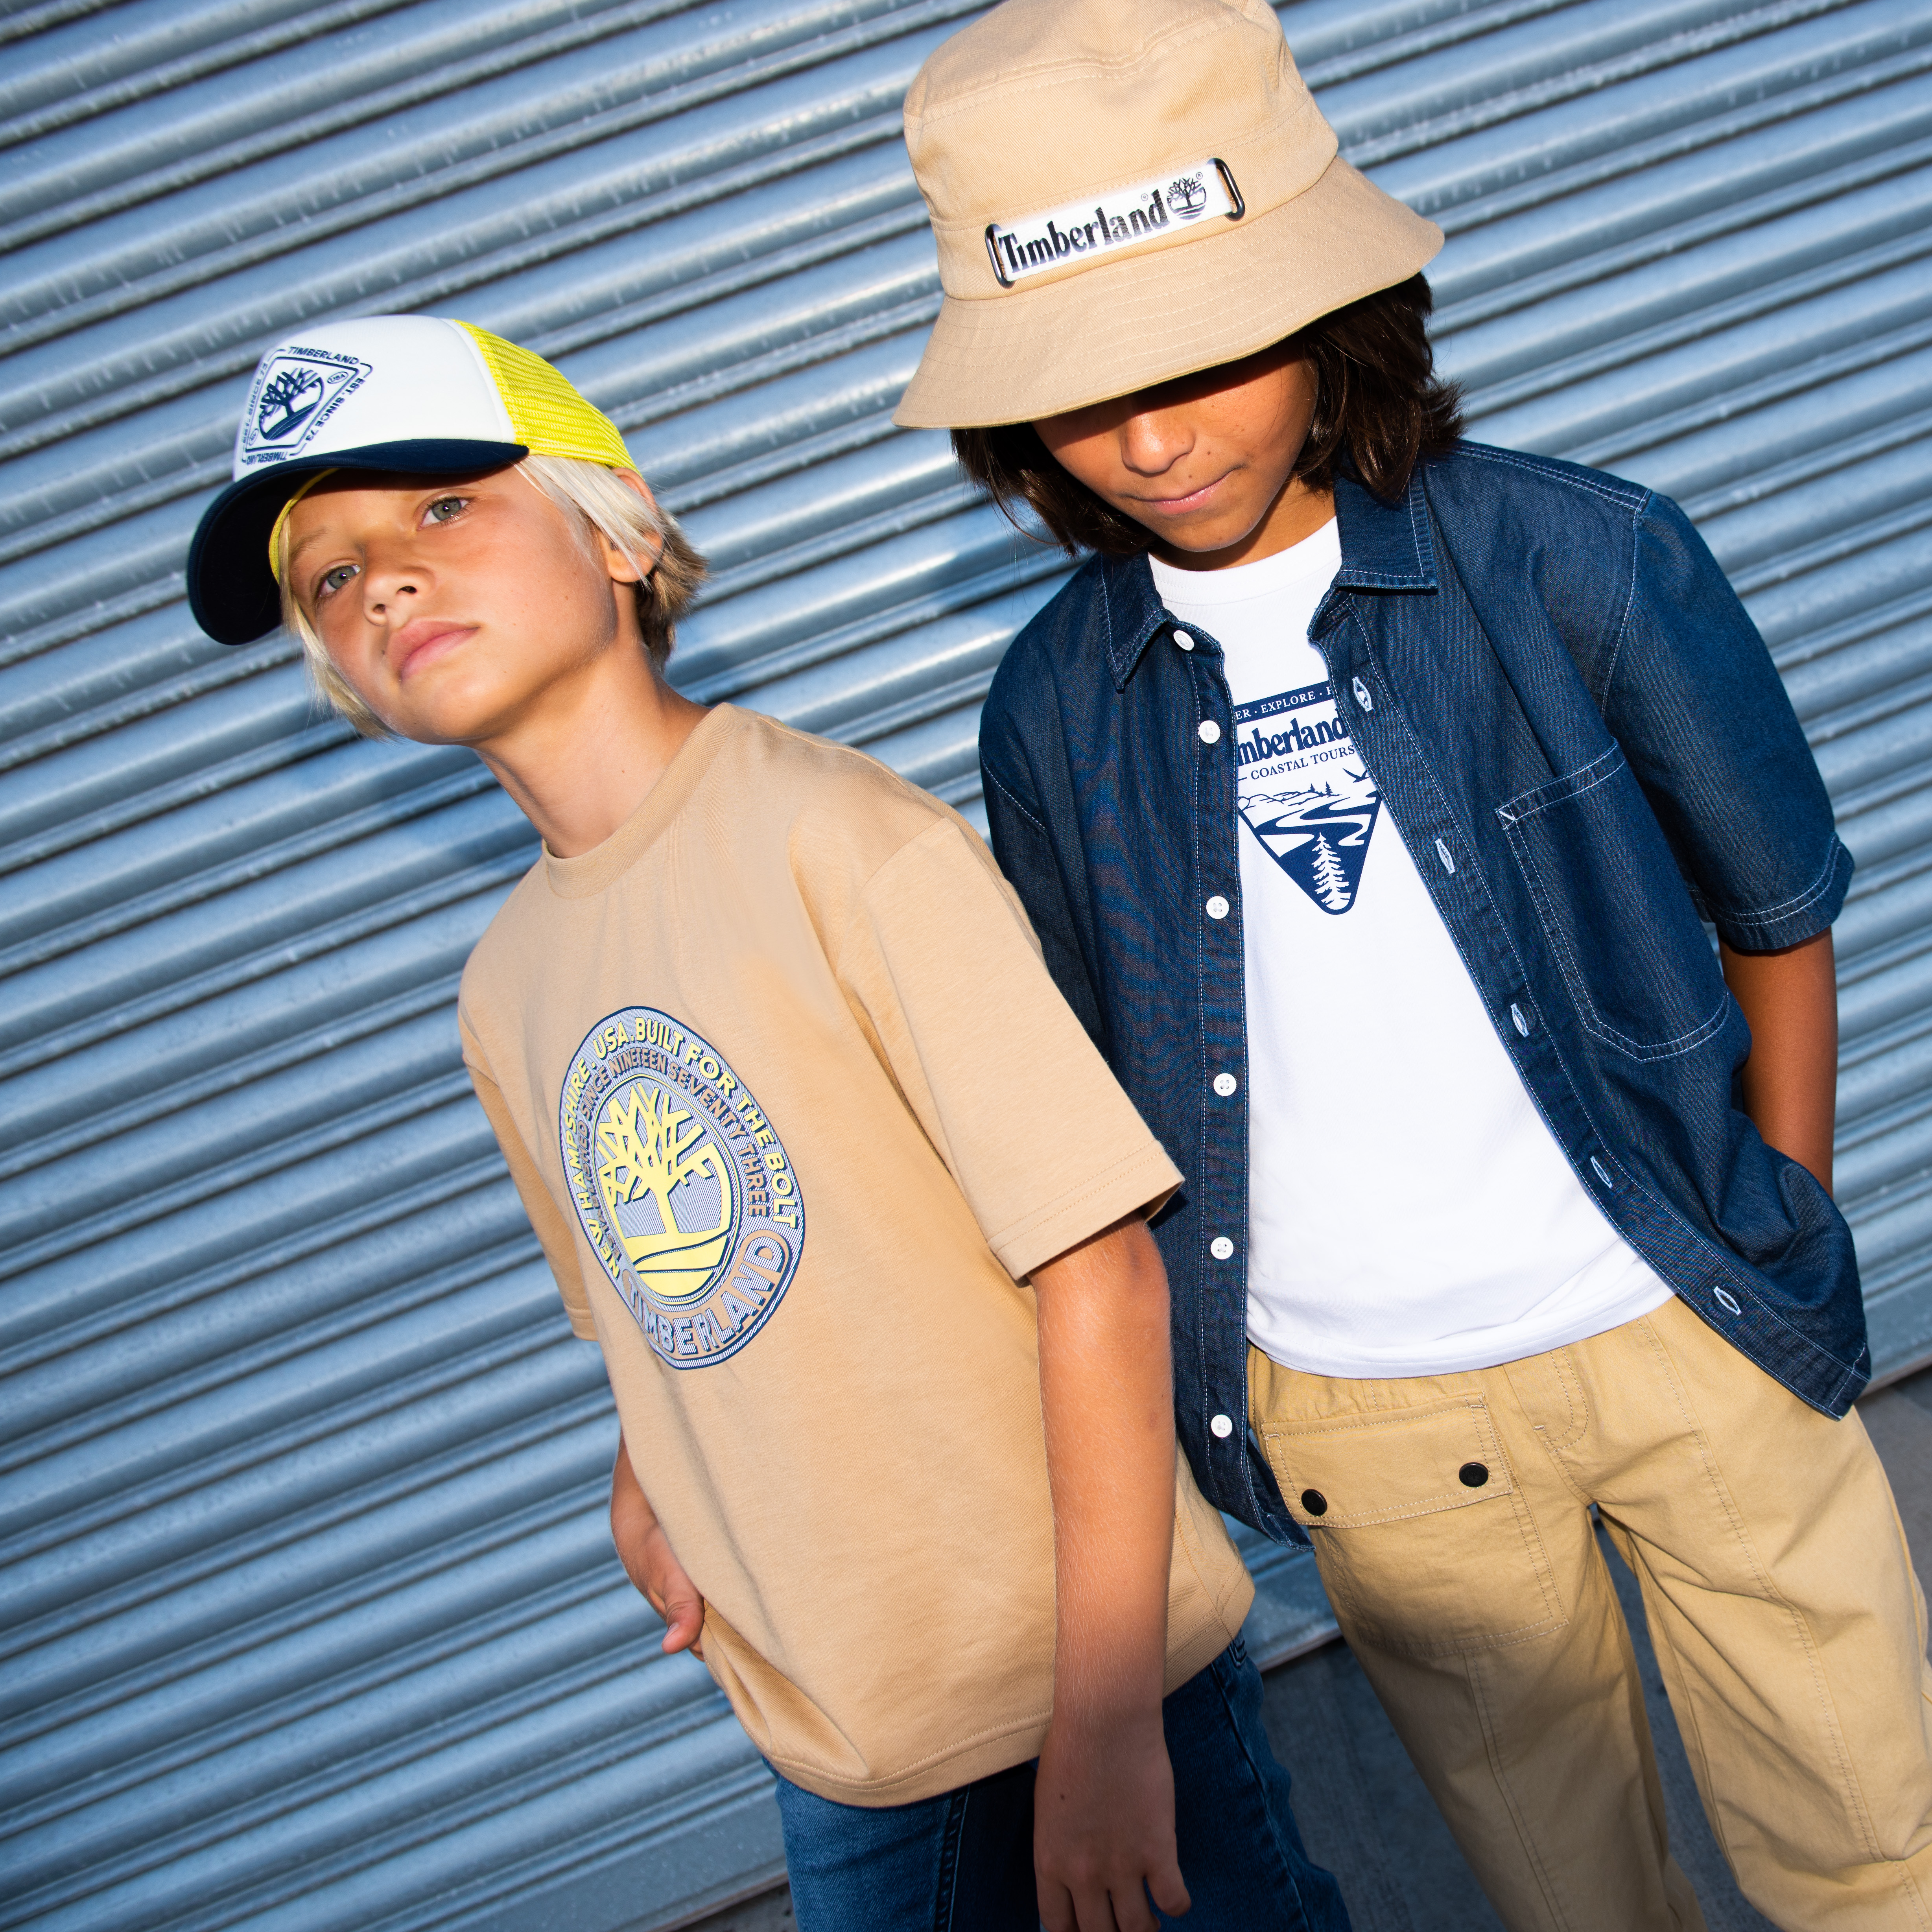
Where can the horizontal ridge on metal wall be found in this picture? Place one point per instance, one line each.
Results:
(311, 1621)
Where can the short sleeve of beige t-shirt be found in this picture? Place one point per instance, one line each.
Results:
(795, 1108)
(941, 964)
(547, 1221)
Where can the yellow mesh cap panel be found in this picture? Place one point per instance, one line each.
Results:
(548, 416)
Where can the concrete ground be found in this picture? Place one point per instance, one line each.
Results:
(1364, 1813)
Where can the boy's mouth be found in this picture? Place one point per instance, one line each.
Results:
(1194, 500)
(422, 640)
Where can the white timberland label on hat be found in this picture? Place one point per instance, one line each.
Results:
(296, 390)
(1123, 217)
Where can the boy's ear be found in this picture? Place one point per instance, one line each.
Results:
(622, 569)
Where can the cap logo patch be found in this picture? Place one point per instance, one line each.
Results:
(296, 391)
(1124, 218)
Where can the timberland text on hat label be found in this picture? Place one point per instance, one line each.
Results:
(1195, 196)
(296, 390)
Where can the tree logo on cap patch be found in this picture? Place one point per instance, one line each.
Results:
(296, 391)
(1187, 196)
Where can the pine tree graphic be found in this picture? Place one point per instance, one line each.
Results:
(1331, 881)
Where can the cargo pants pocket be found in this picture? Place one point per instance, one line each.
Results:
(1426, 1544)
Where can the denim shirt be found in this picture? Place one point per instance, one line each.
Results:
(1582, 739)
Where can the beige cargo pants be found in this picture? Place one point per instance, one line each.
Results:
(1450, 1517)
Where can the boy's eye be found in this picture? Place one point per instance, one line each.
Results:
(332, 580)
(444, 508)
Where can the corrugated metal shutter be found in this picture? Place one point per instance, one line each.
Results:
(311, 1621)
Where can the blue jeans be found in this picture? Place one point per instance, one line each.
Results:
(963, 1862)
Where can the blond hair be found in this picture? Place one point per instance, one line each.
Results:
(594, 500)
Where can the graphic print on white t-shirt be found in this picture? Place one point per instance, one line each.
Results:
(1409, 1212)
(1302, 791)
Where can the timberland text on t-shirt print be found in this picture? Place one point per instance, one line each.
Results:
(681, 1184)
(1304, 793)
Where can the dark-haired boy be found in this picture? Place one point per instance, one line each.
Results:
(1365, 789)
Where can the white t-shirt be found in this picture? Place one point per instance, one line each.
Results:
(1409, 1212)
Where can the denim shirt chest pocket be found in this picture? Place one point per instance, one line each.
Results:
(1634, 957)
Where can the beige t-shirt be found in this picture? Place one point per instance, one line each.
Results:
(794, 1107)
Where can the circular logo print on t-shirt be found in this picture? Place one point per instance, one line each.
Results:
(681, 1185)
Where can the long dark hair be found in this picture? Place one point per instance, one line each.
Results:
(1380, 409)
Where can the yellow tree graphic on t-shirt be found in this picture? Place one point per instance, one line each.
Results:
(650, 1149)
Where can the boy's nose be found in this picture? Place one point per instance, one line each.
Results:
(1152, 442)
(380, 598)
(388, 572)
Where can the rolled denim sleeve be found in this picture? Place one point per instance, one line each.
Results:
(1694, 699)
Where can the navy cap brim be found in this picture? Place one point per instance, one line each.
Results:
(231, 590)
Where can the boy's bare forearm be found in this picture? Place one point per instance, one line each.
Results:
(627, 1493)
(1103, 1800)
(649, 1560)
(633, 1521)
(1106, 1392)
(1790, 999)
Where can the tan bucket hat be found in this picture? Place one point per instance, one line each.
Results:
(1124, 191)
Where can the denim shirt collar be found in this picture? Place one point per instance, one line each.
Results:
(1385, 547)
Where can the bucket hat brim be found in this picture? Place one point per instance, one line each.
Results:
(231, 590)
(1110, 328)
